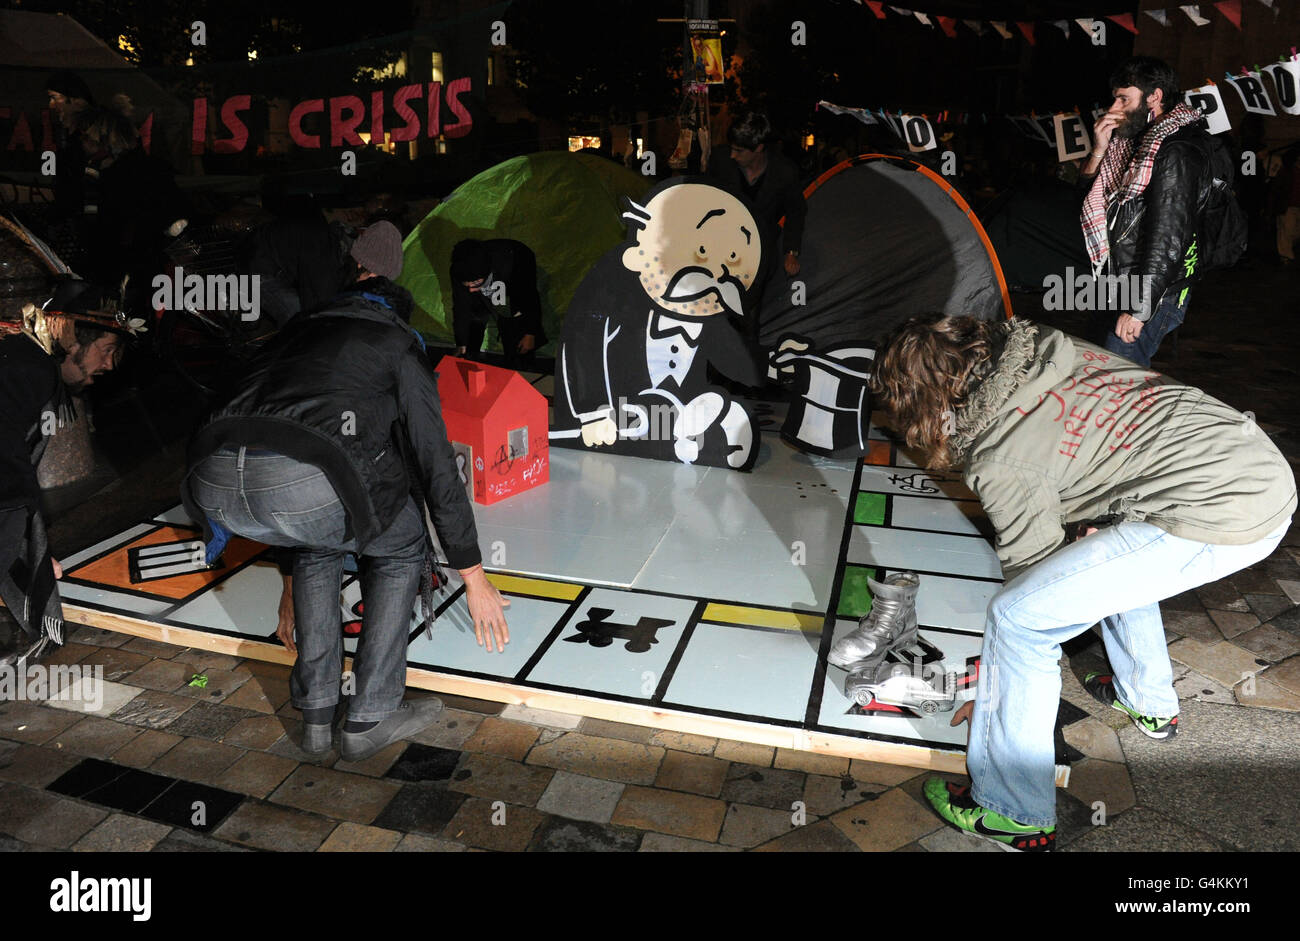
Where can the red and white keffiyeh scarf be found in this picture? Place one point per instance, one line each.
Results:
(1123, 175)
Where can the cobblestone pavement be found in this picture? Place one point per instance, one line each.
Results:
(493, 777)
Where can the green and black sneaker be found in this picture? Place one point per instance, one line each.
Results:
(1102, 687)
(955, 805)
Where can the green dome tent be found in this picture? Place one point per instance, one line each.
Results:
(565, 207)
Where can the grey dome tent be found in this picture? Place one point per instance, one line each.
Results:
(886, 239)
(1036, 232)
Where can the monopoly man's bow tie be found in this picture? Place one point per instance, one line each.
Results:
(662, 327)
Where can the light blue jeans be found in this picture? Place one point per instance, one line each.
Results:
(1127, 568)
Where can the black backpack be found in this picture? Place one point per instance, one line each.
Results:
(1221, 231)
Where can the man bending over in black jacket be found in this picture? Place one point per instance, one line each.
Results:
(496, 279)
(314, 455)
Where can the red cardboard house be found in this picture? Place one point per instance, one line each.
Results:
(497, 424)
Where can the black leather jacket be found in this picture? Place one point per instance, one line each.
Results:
(1155, 233)
(349, 390)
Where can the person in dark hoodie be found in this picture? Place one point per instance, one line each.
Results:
(314, 455)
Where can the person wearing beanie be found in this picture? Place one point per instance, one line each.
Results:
(496, 278)
(59, 348)
(336, 446)
(378, 250)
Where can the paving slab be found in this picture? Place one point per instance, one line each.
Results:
(578, 797)
(1102, 785)
(685, 741)
(356, 838)
(493, 825)
(1230, 772)
(1193, 685)
(1264, 694)
(1286, 675)
(1270, 643)
(557, 835)
(34, 765)
(746, 825)
(1148, 830)
(887, 823)
(122, 833)
(672, 812)
(824, 795)
(698, 774)
(271, 827)
(34, 723)
(503, 737)
(745, 753)
(332, 793)
(774, 788)
(419, 843)
(822, 837)
(1095, 739)
(664, 843)
(495, 778)
(952, 840)
(600, 757)
(420, 808)
(1224, 661)
(154, 710)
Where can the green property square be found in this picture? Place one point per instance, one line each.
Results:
(869, 510)
(855, 596)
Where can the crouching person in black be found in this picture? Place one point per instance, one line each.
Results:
(313, 455)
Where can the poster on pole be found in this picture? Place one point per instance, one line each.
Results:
(706, 51)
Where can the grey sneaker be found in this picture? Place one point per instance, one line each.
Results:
(890, 623)
(410, 717)
(317, 739)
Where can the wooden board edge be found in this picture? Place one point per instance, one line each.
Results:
(180, 636)
(843, 746)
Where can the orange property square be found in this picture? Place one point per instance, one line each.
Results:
(114, 569)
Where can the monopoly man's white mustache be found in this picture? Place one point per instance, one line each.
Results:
(691, 284)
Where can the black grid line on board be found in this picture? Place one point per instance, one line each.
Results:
(670, 669)
(828, 623)
(551, 637)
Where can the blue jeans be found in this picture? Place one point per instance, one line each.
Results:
(1168, 316)
(276, 500)
(1127, 568)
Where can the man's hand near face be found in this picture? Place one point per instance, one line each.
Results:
(1102, 132)
(1105, 128)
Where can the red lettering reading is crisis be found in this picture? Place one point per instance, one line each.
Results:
(343, 118)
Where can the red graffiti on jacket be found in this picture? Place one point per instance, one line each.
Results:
(1100, 400)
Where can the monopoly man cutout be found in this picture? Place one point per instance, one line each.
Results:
(648, 319)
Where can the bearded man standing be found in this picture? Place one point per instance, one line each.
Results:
(1150, 175)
